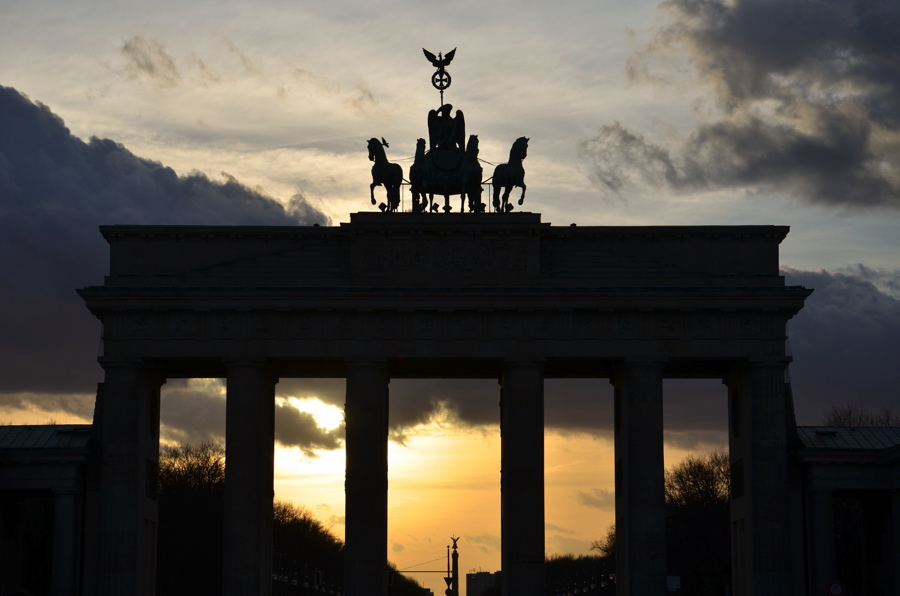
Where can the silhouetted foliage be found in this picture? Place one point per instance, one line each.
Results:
(697, 492)
(307, 556)
(851, 415)
(402, 585)
(698, 523)
(305, 551)
(191, 507)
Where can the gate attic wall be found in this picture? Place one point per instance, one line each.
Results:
(467, 287)
(501, 296)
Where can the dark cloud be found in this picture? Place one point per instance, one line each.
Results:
(845, 342)
(296, 428)
(147, 59)
(49, 405)
(55, 191)
(802, 100)
(194, 410)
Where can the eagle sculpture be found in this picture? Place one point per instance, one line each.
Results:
(440, 61)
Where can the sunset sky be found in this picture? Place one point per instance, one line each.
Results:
(225, 112)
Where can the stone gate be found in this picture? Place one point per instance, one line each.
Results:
(404, 295)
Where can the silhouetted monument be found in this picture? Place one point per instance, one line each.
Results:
(402, 295)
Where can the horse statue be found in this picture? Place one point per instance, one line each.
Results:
(508, 175)
(385, 173)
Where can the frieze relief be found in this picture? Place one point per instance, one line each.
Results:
(449, 325)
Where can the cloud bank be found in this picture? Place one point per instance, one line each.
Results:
(845, 341)
(55, 191)
(800, 97)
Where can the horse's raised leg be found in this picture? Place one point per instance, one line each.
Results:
(522, 198)
(372, 191)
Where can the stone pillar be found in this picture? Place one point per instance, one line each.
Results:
(66, 546)
(129, 463)
(758, 448)
(640, 479)
(11, 541)
(522, 478)
(249, 470)
(821, 540)
(893, 555)
(366, 483)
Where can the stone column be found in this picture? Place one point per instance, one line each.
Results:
(249, 469)
(893, 558)
(129, 462)
(758, 448)
(640, 477)
(366, 483)
(821, 540)
(66, 546)
(522, 478)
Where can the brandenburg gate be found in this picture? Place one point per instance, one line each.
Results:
(467, 295)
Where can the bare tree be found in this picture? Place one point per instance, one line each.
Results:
(606, 546)
(191, 509)
(199, 467)
(852, 415)
(699, 480)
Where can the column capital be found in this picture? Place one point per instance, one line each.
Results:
(362, 360)
(248, 362)
(133, 365)
(740, 367)
(527, 361)
(648, 361)
(623, 365)
(262, 364)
